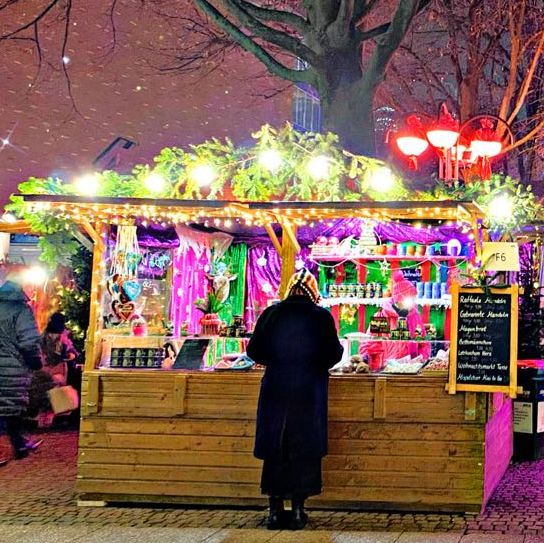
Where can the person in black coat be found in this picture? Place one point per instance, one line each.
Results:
(20, 354)
(297, 342)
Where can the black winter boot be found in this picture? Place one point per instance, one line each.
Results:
(299, 518)
(277, 513)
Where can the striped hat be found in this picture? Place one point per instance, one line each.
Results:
(305, 281)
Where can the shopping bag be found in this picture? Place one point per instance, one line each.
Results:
(63, 399)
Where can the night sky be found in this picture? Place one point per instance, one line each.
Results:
(119, 93)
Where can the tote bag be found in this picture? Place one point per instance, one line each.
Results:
(63, 399)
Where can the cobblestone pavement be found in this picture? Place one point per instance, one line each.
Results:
(38, 493)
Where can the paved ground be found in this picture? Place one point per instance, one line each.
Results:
(38, 505)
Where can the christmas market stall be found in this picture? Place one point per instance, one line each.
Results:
(169, 396)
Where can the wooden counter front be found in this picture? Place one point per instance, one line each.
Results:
(394, 443)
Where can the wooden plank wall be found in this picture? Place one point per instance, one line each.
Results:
(410, 448)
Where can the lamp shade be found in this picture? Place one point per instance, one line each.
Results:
(441, 138)
(411, 140)
(444, 132)
(412, 145)
(486, 148)
(486, 142)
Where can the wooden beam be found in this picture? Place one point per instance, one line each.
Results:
(476, 231)
(92, 233)
(88, 244)
(19, 227)
(290, 231)
(289, 252)
(273, 237)
(92, 343)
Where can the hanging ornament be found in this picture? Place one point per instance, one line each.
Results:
(267, 288)
(126, 254)
(384, 267)
(347, 313)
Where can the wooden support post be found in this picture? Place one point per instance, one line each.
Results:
(476, 231)
(273, 237)
(95, 311)
(289, 251)
(89, 403)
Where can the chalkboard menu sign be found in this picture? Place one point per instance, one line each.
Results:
(191, 354)
(484, 340)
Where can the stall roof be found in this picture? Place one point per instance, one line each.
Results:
(116, 210)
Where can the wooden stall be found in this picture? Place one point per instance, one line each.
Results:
(395, 442)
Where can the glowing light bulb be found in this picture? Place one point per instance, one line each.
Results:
(501, 207)
(319, 166)
(261, 261)
(270, 159)
(9, 218)
(87, 185)
(299, 264)
(65, 60)
(203, 174)
(382, 180)
(5, 141)
(35, 275)
(154, 182)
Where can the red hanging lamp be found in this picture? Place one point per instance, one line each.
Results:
(444, 132)
(488, 139)
(411, 140)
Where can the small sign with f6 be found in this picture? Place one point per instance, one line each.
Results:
(498, 256)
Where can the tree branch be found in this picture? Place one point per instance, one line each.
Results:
(278, 16)
(275, 67)
(345, 14)
(386, 47)
(362, 9)
(269, 34)
(363, 35)
(530, 135)
(527, 79)
(31, 23)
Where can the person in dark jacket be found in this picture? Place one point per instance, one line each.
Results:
(297, 342)
(20, 354)
(58, 350)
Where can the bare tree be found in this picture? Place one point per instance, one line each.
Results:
(328, 36)
(481, 56)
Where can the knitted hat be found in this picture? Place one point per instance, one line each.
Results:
(402, 288)
(56, 323)
(305, 281)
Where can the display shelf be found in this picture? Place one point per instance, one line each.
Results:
(350, 300)
(391, 258)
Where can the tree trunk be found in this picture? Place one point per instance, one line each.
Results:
(349, 114)
(468, 91)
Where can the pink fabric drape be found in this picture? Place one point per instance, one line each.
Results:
(263, 280)
(189, 282)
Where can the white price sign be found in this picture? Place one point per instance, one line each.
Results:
(500, 256)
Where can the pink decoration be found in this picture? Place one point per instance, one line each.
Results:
(258, 294)
(189, 283)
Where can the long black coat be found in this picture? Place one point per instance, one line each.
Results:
(19, 349)
(297, 342)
